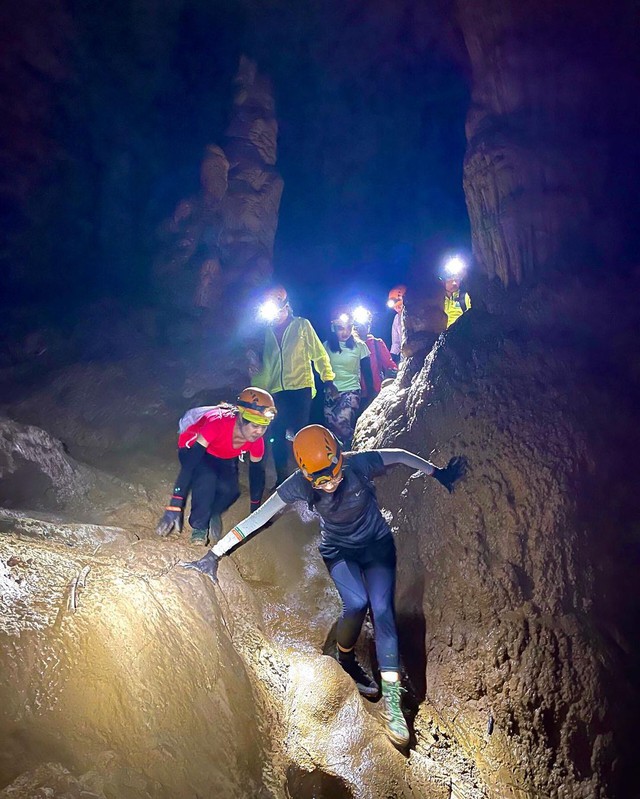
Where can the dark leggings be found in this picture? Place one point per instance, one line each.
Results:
(368, 582)
(214, 488)
(294, 408)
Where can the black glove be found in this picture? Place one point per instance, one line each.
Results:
(170, 519)
(454, 471)
(254, 505)
(207, 565)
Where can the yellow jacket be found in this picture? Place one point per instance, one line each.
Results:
(288, 366)
(452, 306)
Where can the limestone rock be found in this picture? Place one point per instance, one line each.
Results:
(519, 576)
(219, 243)
(543, 134)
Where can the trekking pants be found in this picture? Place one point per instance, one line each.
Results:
(341, 414)
(294, 407)
(366, 579)
(214, 488)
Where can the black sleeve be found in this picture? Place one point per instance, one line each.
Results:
(294, 488)
(256, 480)
(368, 463)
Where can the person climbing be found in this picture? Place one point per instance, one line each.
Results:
(291, 346)
(396, 301)
(351, 363)
(209, 443)
(456, 301)
(382, 364)
(356, 545)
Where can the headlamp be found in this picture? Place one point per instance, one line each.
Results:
(269, 311)
(454, 267)
(361, 315)
(258, 414)
(392, 303)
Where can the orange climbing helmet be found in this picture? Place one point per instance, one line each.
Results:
(396, 295)
(318, 454)
(256, 405)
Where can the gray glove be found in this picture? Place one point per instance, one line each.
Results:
(171, 519)
(207, 565)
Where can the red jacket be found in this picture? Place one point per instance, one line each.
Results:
(381, 360)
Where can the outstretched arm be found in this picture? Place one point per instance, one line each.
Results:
(455, 470)
(392, 456)
(247, 527)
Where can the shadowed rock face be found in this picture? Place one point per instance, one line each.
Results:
(552, 135)
(519, 581)
(219, 243)
(523, 582)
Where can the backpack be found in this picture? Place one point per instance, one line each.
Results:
(194, 415)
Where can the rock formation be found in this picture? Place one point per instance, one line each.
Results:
(522, 585)
(219, 243)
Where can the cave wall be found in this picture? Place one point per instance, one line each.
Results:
(517, 594)
(552, 135)
(219, 243)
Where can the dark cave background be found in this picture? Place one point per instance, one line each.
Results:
(108, 109)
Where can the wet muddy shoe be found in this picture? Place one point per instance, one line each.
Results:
(199, 536)
(365, 684)
(392, 715)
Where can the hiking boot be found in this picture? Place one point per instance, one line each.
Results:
(199, 536)
(396, 726)
(365, 684)
(215, 528)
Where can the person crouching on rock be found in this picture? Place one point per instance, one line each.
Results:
(209, 443)
(356, 545)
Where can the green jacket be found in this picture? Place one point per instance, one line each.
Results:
(288, 366)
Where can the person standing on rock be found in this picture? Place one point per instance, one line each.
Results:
(209, 443)
(356, 545)
(396, 301)
(291, 346)
(351, 364)
(456, 301)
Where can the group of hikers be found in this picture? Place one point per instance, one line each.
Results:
(356, 543)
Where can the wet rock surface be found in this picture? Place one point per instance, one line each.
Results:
(124, 674)
(522, 582)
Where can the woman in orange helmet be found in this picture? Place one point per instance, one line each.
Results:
(356, 545)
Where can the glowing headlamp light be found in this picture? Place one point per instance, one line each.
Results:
(361, 315)
(269, 311)
(454, 266)
(392, 303)
(343, 319)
